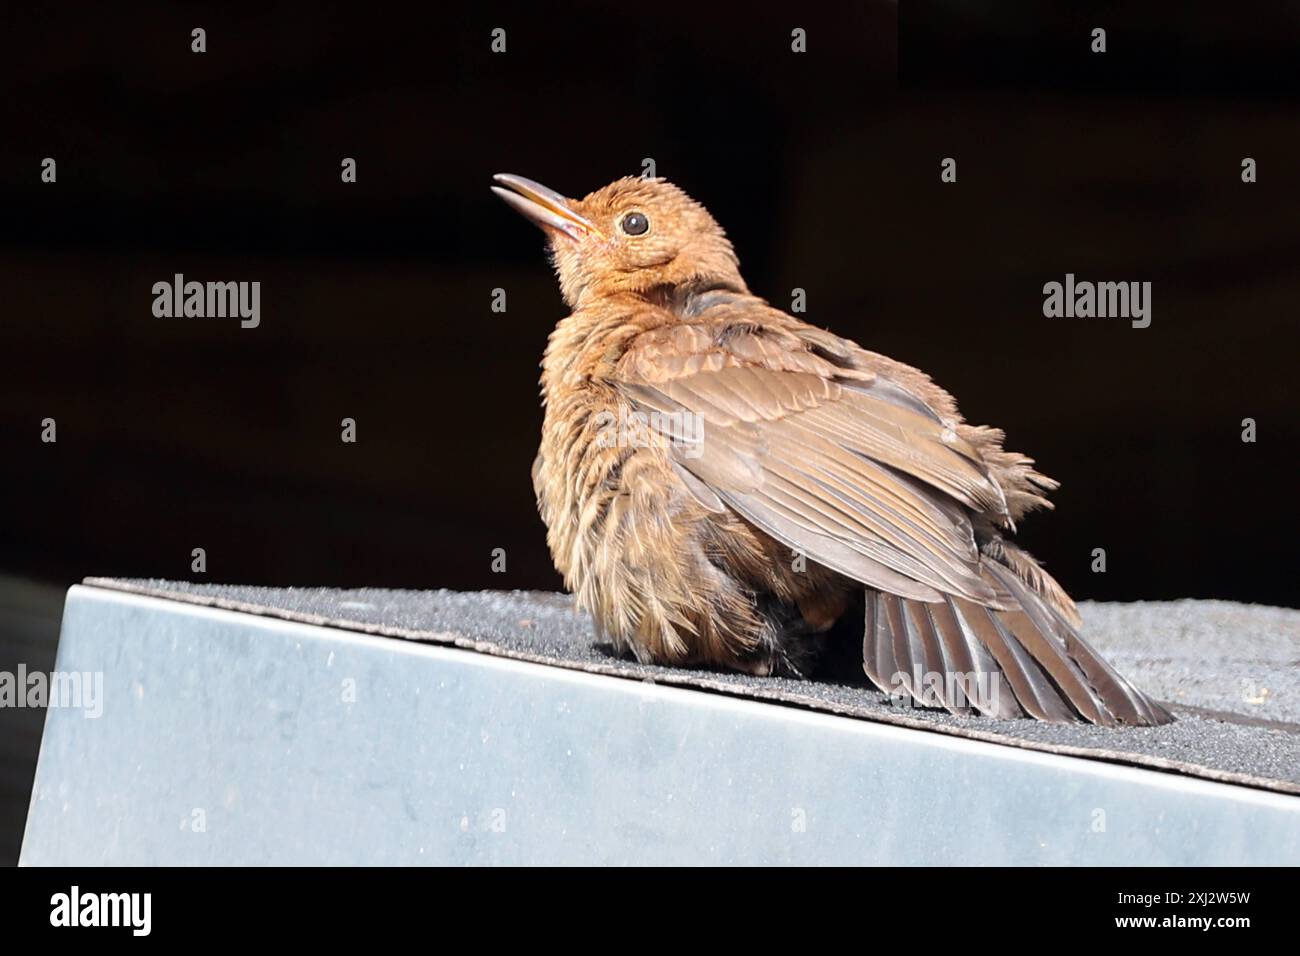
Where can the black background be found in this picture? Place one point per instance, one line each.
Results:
(182, 433)
(280, 904)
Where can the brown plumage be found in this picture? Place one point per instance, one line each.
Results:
(721, 482)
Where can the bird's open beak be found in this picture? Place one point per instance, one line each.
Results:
(545, 207)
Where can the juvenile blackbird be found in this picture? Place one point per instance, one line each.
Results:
(722, 482)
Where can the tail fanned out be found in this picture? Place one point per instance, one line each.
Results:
(1024, 661)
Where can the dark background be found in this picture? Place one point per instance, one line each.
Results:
(824, 167)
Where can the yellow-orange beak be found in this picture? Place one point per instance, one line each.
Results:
(544, 207)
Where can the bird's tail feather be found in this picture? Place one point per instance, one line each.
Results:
(1023, 661)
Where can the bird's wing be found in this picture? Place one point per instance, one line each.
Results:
(836, 460)
(860, 464)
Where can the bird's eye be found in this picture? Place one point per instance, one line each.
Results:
(634, 224)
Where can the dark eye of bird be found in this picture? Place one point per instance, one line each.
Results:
(635, 223)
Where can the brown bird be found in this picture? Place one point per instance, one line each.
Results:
(721, 482)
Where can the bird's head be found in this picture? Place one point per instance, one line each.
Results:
(632, 236)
